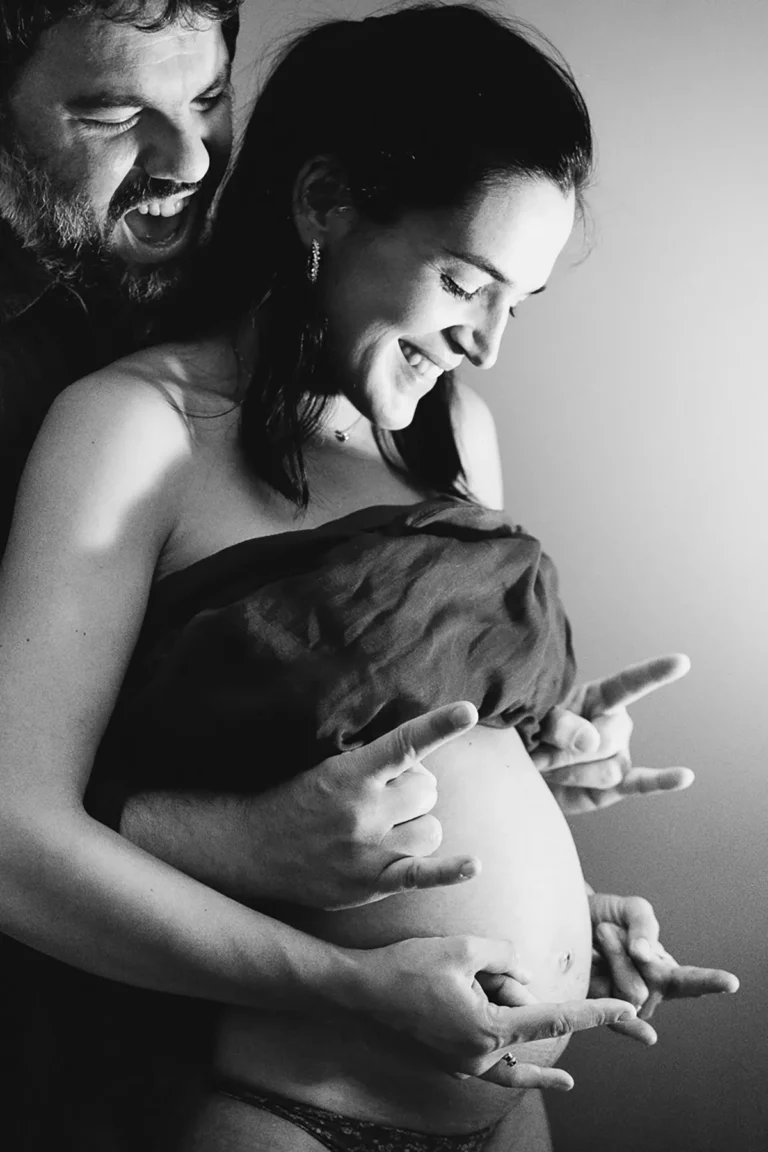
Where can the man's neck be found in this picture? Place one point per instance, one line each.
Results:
(23, 279)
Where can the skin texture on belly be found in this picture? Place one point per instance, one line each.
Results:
(493, 803)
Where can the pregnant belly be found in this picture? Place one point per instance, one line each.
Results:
(493, 803)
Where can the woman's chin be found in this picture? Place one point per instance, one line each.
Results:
(398, 412)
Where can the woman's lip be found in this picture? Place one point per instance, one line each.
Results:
(438, 363)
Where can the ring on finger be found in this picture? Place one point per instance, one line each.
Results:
(509, 1060)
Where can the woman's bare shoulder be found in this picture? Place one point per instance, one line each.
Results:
(116, 449)
(478, 445)
(193, 378)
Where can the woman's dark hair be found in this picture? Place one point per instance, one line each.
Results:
(22, 23)
(418, 108)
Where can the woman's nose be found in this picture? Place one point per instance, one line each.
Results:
(480, 340)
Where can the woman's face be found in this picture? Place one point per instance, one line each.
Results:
(409, 301)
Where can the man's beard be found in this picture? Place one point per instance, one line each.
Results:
(58, 224)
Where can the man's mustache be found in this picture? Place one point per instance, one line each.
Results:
(131, 196)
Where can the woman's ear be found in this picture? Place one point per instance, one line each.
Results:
(321, 202)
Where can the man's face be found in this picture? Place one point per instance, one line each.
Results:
(115, 143)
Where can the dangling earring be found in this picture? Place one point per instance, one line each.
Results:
(313, 264)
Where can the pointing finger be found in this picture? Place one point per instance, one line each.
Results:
(688, 981)
(549, 1021)
(634, 682)
(408, 744)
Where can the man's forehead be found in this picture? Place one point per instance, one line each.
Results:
(92, 52)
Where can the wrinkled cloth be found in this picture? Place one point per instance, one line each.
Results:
(275, 653)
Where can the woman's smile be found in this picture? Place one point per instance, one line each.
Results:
(387, 284)
(424, 364)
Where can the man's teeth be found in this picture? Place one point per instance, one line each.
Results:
(163, 208)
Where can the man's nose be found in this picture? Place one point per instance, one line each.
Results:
(175, 152)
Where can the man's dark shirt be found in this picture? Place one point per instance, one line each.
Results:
(79, 1077)
(48, 339)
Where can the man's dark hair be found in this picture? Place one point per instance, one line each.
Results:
(23, 22)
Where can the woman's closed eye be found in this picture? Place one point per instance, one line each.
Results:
(450, 285)
(455, 289)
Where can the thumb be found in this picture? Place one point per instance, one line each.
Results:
(407, 745)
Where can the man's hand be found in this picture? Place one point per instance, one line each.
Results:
(464, 998)
(629, 961)
(356, 827)
(585, 757)
(351, 830)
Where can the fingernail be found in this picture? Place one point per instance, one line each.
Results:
(582, 742)
(462, 714)
(642, 949)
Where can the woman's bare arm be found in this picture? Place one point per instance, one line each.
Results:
(96, 505)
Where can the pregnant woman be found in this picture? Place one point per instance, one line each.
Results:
(285, 519)
(405, 184)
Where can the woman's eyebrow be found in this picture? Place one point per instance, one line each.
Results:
(486, 266)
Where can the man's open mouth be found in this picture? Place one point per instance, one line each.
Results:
(157, 230)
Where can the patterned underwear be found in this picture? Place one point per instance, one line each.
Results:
(347, 1134)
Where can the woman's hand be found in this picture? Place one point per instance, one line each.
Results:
(630, 961)
(465, 999)
(585, 757)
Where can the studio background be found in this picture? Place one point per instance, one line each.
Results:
(632, 407)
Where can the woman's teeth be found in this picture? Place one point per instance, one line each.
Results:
(420, 363)
(163, 208)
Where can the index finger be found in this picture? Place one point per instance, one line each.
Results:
(411, 742)
(687, 981)
(548, 1021)
(633, 682)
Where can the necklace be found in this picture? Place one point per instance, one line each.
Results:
(343, 434)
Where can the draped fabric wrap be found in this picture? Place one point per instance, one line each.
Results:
(267, 657)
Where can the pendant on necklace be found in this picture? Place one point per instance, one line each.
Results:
(342, 437)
